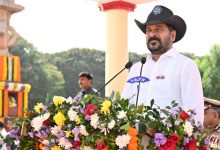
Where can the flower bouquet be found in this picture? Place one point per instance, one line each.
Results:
(175, 128)
(76, 123)
(106, 124)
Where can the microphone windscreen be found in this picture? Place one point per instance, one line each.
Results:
(143, 60)
(128, 65)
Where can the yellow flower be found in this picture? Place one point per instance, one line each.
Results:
(68, 133)
(58, 100)
(59, 119)
(105, 107)
(106, 103)
(38, 107)
(56, 148)
(78, 121)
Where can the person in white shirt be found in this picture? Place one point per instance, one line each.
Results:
(168, 75)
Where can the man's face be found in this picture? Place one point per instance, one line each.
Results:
(211, 117)
(84, 83)
(159, 38)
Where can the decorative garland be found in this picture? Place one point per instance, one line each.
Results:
(10, 69)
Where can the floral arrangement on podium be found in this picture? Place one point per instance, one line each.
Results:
(174, 129)
(105, 124)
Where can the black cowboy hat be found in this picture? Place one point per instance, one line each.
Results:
(161, 14)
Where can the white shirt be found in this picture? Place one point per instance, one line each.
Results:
(172, 77)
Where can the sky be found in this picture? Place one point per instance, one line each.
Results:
(58, 25)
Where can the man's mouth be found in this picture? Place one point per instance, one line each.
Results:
(154, 41)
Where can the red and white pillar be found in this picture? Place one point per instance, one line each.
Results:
(117, 42)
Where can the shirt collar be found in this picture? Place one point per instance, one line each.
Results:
(170, 53)
(87, 90)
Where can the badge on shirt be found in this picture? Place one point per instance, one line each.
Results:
(138, 79)
(160, 77)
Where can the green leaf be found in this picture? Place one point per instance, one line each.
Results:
(151, 113)
(175, 105)
(152, 103)
(168, 107)
(172, 102)
(88, 98)
(125, 127)
(157, 112)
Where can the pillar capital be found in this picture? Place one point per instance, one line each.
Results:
(123, 5)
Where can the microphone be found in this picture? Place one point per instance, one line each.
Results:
(127, 66)
(143, 61)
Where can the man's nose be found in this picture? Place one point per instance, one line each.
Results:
(151, 34)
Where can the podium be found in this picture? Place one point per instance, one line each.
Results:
(13, 93)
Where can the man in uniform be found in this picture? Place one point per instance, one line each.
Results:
(168, 74)
(85, 83)
(212, 123)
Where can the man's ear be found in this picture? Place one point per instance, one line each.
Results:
(173, 35)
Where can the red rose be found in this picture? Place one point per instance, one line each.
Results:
(169, 145)
(89, 109)
(175, 138)
(183, 115)
(100, 145)
(77, 144)
(203, 148)
(46, 122)
(191, 145)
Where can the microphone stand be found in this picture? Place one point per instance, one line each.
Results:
(127, 66)
(143, 60)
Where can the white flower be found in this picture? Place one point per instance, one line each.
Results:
(55, 130)
(1, 141)
(94, 120)
(83, 131)
(46, 116)
(188, 128)
(45, 142)
(63, 142)
(122, 140)
(111, 124)
(122, 114)
(73, 115)
(87, 148)
(69, 100)
(37, 123)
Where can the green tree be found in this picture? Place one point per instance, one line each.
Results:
(210, 66)
(36, 71)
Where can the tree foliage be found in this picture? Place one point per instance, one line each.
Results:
(209, 66)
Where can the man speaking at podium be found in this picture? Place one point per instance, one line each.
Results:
(167, 75)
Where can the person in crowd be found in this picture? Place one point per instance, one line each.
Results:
(212, 122)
